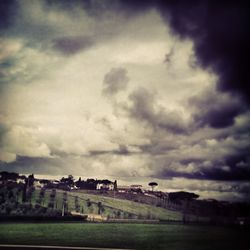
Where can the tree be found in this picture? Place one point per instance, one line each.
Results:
(115, 185)
(30, 180)
(100, 207)
(5, 176)
(153, 185)
(182, 195)
(77, 205)
(69, 181)
(24, 194)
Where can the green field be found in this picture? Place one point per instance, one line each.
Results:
(136, 236)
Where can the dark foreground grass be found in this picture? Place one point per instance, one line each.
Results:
(137, 236)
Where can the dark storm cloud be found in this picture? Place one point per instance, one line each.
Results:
(220, 31)
(145, 109)
(215, 110)
(221, 117)
(218, 174)
(115, 81)
(235, 166)
(240, 159)
(169, 174)
(222, 175)
(245, 189)
(71, 45)
(8, 9)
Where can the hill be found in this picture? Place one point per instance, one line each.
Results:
(98, 204)
(56, 202)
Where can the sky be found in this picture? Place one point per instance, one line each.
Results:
(136, 91)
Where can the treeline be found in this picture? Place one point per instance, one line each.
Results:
(65, 183)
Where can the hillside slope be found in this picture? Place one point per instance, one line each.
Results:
(98, 204)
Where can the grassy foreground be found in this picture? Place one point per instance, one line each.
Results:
(136, 236)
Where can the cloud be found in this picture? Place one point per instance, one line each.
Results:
(215, 109)
(71, 45)
(21, 141)
(114, 81)
(37, 165)
(144, 108)
(7, 12)
(9, 48)
(169, 123)
(203, 170)
(122, 150)
(220, 48)
(210, 159)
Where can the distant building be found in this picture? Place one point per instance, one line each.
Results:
(105, 185)
(136, 186)
(21, 179)
(38, 184)
(123, 189)
(74, 187)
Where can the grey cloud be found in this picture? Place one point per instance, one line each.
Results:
(38, 165)
(209, 158)
(20, 62)
(70, 26)
(71, 45)
(216, 110)
(234, 167)
(145, 109)
(161, 143)
(157, 148)
(6, 74)
(245, 188)
(122, 150)
(115, 81)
